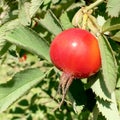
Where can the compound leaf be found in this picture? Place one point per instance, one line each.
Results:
(65, 21)
(111, 24)
(34, 6)
(116, 37)
(109, 66)
(24, 15)
(29, 40)
(51, 23)
(113, 8)
(108, 109)
(19, 85)
(99, 88)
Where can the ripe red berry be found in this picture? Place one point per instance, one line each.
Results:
(76, 53)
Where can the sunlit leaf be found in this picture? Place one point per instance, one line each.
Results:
(24, 15)
(111, 24)
(29, 40)
(99, 88)
(8, 26)
(118, 83)
(3, 30)
(117, 94)
(47, 1)
(45, 99)
(65, 21)
(19, 85)
(116, 37)
(55, 1)
(108, 109)
(34, 6)
(109, 67)
(113, 8)
(51, 23)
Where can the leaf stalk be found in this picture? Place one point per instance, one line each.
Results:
(94, 4)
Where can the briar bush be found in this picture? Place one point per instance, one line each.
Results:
(28, 79)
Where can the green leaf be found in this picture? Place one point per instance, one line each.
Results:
(19, 85)
(84, 114)
(8, 26)
(65, 21)
(117, 94)
(55, 1)
(109, 66)
(98, 86)
(51, 23)
(5, 48)
(24, 15)
(95, 113)
(47, 1)
(45, 99)
(116, 37)
(111, 24)
(113, 8)
(34, 6)
(3, 30)
(118, 83)
(29, 40)
(108, 109)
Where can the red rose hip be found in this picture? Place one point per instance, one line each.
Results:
(76, 53)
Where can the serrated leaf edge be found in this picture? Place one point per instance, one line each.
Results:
(113, 101)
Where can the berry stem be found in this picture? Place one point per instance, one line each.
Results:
(65, 82)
